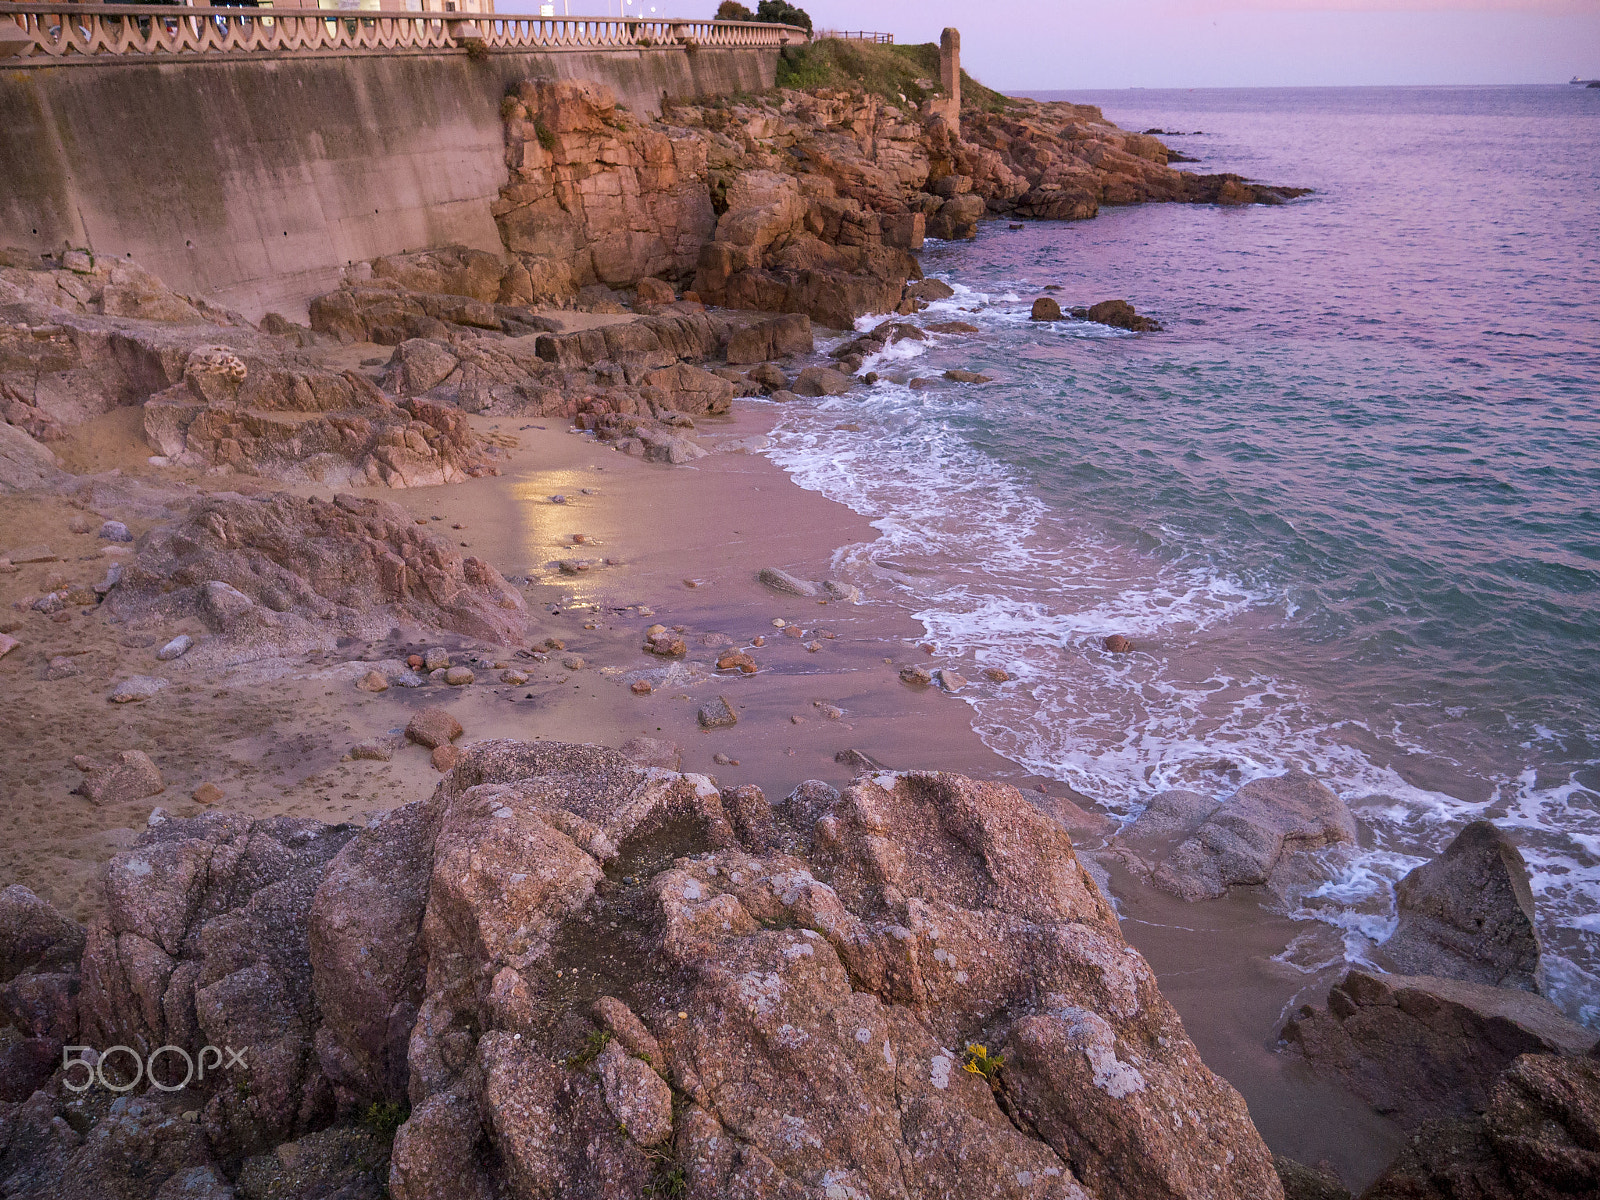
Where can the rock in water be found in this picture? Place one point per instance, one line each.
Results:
(1241, 842)
(1120, 315)
(1419, 1047)
(789, 585)
(1468, 914)
(821, 381)
(1045, 308)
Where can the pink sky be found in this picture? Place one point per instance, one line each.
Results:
(1040, 44)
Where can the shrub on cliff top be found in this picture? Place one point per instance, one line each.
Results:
(783, 13)
(888, 71)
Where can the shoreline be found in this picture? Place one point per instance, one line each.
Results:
(716, 523)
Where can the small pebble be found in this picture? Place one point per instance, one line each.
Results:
(176, 648)
(207, 793)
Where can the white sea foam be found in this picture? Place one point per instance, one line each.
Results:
(997, 577)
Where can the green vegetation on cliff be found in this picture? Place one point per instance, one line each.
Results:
(892, 72)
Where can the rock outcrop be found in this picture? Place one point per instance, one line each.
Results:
(591, 978)
(217, 394)
(283, 575)
(1468, 914)
(1420, 1047)
(1538, 1138)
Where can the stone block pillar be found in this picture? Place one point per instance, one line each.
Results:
(949, 105)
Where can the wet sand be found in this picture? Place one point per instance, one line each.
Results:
(686, 544)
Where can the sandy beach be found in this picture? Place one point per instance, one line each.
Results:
(681, 546)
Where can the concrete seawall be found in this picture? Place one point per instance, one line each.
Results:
(252, 182)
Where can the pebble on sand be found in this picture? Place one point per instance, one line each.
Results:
(718, 714)
(207, 793)
(459, 676)
(136, 688)
(915, 676)
(640, 687)
(1117, 644)
(433, 727)
(373, 681)
(7, 644)
(176, 648)
(996, 675)
(115, 531)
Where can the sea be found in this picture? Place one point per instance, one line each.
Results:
(1347, 504)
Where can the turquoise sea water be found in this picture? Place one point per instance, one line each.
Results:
(1348, 505)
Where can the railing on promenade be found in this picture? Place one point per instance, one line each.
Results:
(857, 35)
(39, 34)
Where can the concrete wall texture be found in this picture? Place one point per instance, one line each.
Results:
(254, 182)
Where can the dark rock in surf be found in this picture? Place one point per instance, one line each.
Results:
(1468, 914)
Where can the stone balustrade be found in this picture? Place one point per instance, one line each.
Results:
(63, 33)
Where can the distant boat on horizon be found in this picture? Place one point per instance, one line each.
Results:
(1594, 83)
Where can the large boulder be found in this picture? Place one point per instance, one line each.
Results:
(1242, 841)
(894, 990)
(1419, 1047)
(1468, 914)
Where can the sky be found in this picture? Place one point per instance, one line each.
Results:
(1036, 45)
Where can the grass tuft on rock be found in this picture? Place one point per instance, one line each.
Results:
(383, 1119)
(892, 72)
